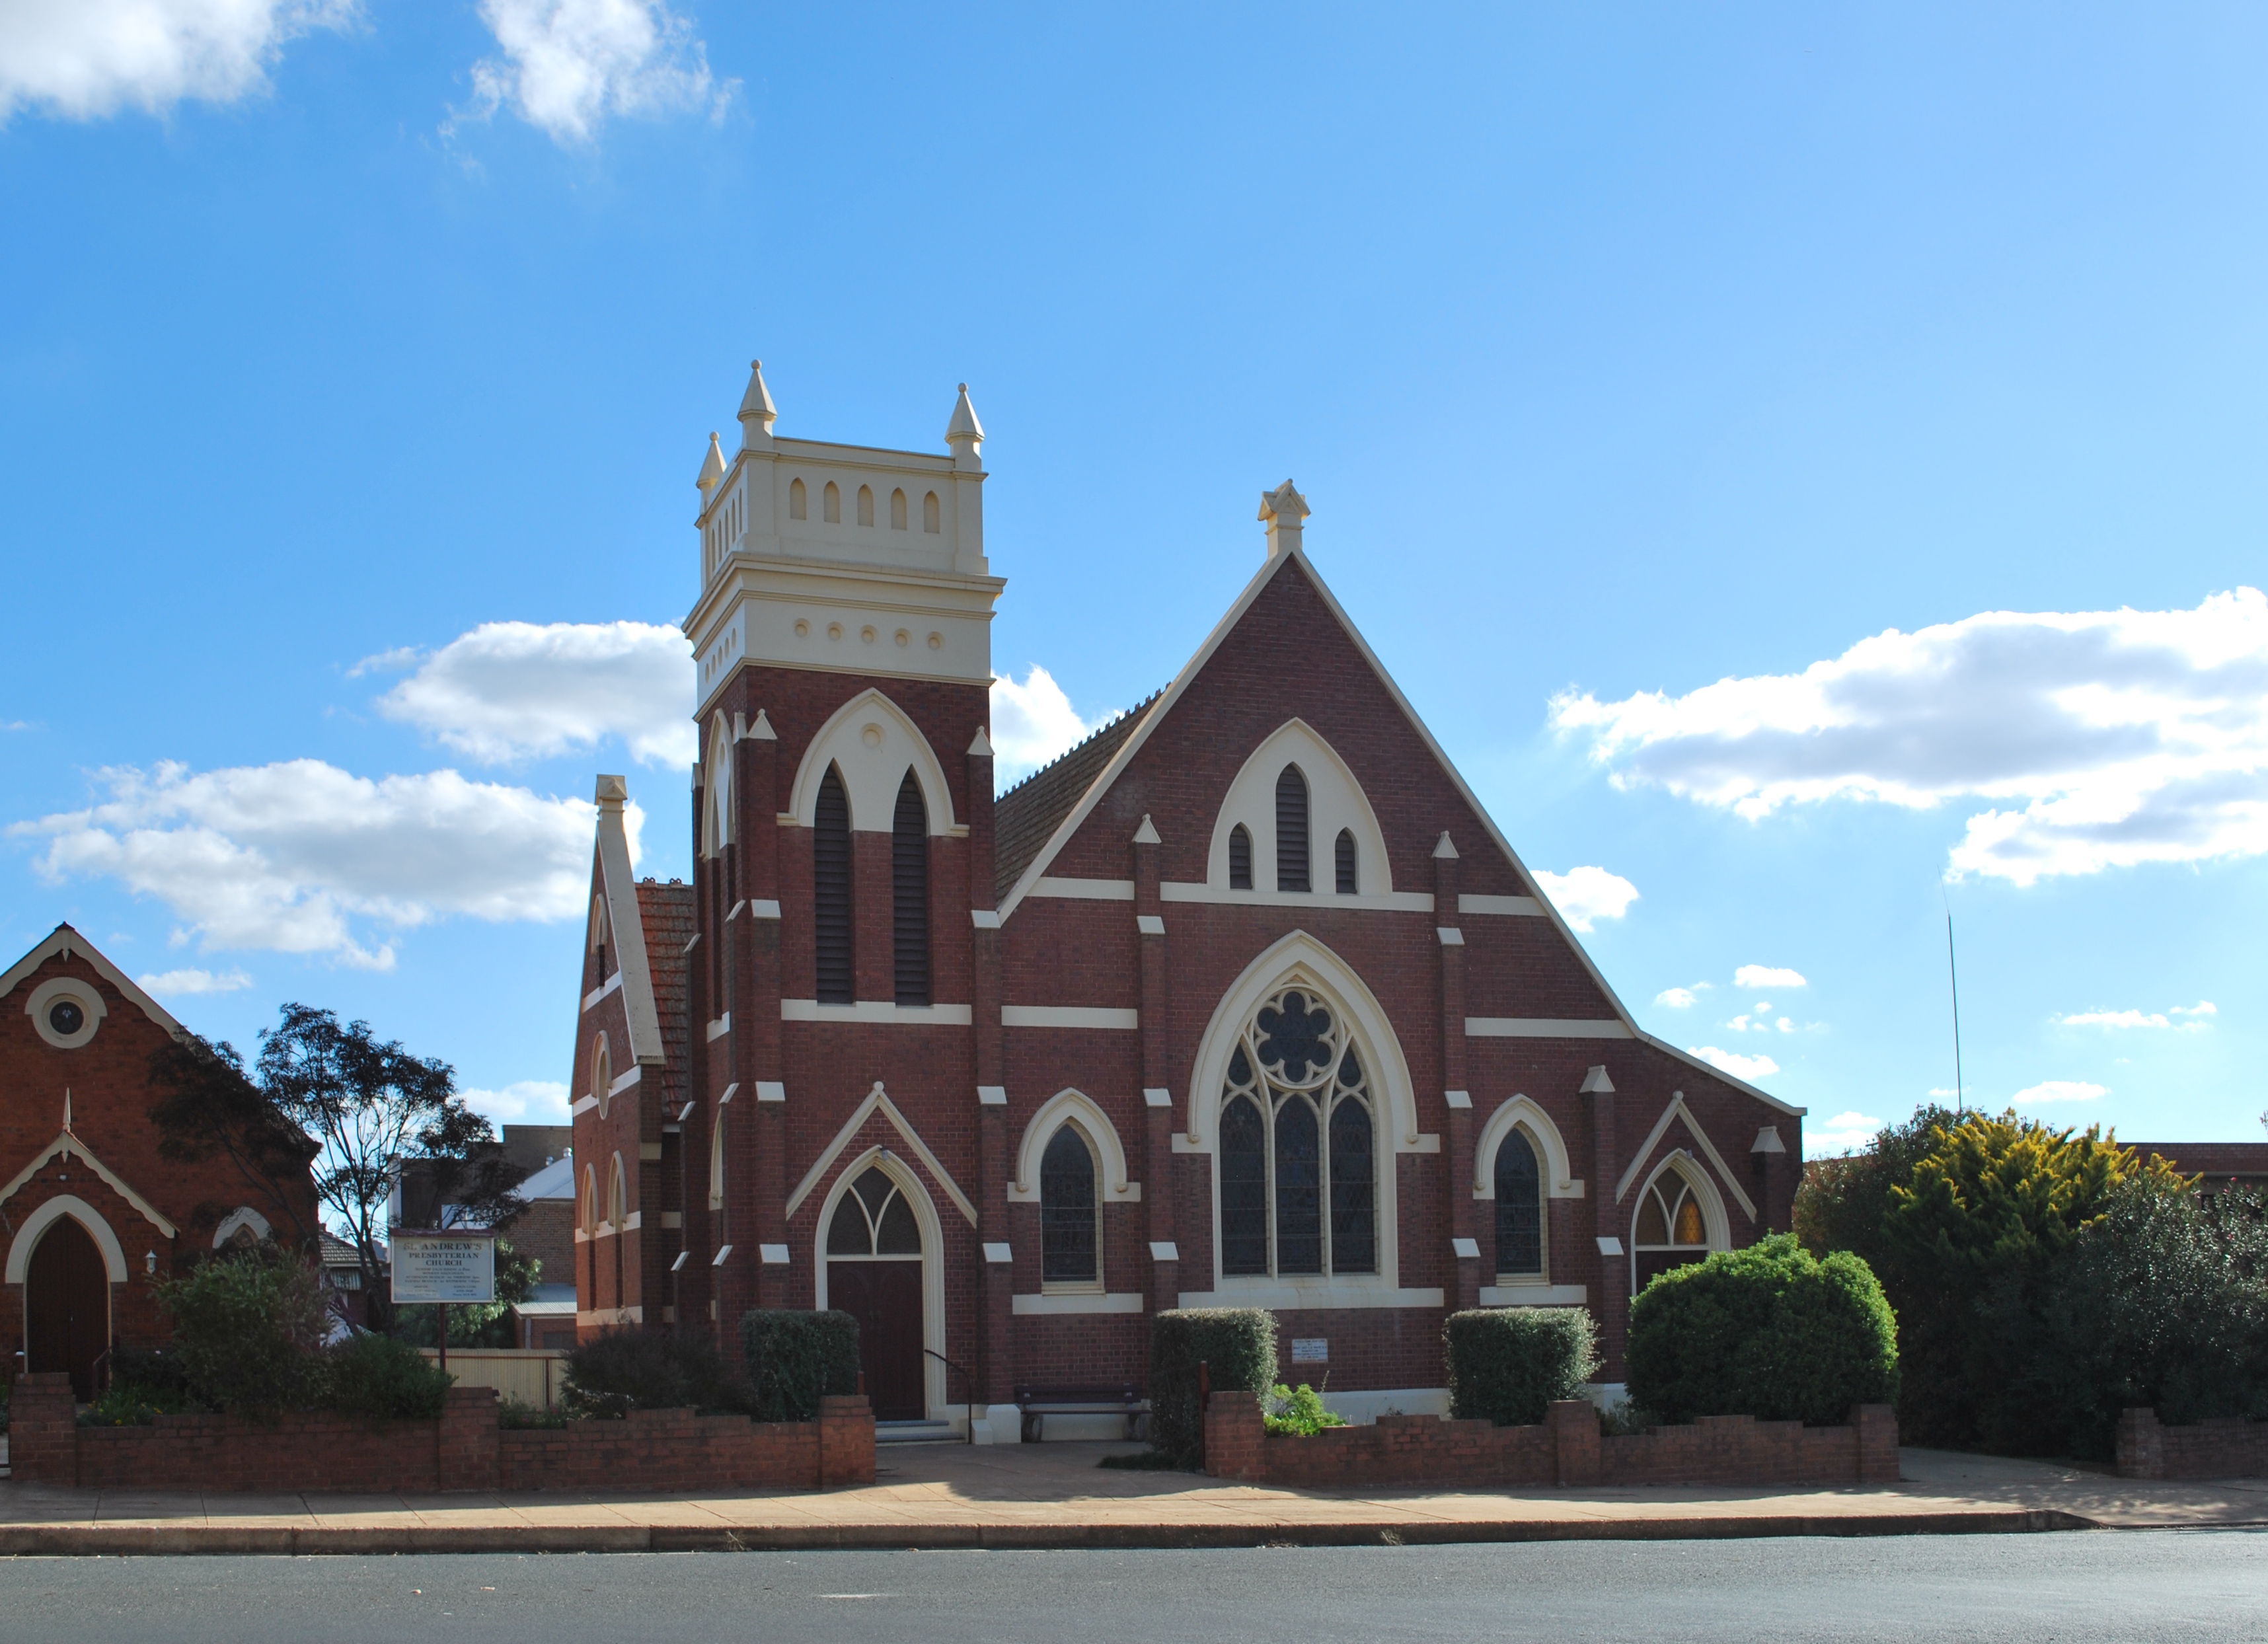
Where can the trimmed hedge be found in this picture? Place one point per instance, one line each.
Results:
(383, 1380)
(1239, 1345)
(795, 1357)
(627, 1369)
(1508, 1364)
(1768, 1331)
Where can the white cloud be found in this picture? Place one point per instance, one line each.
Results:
(177, 984)
(1032, 724)
(1845, 1132)
(2118, 737)
(1585, 894)
(2058, 1090)
(85, 59)
(1678, 998)
(1767, 975)
(2203, 1007)
(1784, 1025)
(510, 691)
(2112, 1019)
(567, 66)
(1733, 1062)
(290, 857)
(523, 1101)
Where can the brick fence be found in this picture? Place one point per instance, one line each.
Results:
(2227, 1447)
(1566, 1449)
(661, 1451)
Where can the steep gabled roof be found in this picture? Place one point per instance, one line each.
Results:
(1142, 723)
(666, 913)
(69, 944)
(1027, 816)
(627, 924)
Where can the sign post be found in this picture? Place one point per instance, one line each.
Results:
(438, 1268)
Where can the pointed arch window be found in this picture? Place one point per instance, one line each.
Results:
(1518, 1208)
(1291, 831)
(1071, 1236)
(716, 1163)
(1671, 1231)
(866, 504)
(602, 1075)
(873, 1220)
(798, 504)
(930, 522)
(1343, 862)
(1298, 1173)
(830, 890)
(909, 893)
(1240, 858)
(599, 938)
(897, 511)
(830, 502)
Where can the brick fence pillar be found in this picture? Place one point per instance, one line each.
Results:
(1877, 1427)
(470, 1455)
(1574, 1424)
(846, 1440)
(2141, 1444)
(1236, 1438)
(43, 1429)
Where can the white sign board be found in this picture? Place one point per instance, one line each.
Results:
(444, 1267)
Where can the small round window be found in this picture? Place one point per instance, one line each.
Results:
(66, 1011)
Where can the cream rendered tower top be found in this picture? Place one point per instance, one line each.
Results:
(842, 557)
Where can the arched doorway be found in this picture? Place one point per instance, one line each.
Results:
(66, 1304)
(874, 1274)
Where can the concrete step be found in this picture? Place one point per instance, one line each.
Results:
(916, 1433)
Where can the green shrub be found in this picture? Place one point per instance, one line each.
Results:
(128, 1403)
(1971, 1239)
(379, 1379)
(1769, 1331)
(1506, 1365)
(796, 1357)
(518, 1414)
(622, 1370)
(1238, 1343)
(247, 1331)
(2162, 1301)
(1300, 1411)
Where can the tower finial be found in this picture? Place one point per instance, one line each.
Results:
(1284, 509)
(712, 468)
(757, 411)
(964, 435)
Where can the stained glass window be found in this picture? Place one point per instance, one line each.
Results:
(830, 885)
(1067, 1211)
(1518, 1208)
(1299, 1185)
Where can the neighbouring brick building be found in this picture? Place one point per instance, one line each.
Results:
(1245, 1000)
(91, 1215)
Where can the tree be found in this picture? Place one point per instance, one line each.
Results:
(361, 1108)
(1972, 1238)
(206, 1108)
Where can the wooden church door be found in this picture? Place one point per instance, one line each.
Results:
(66, 1305)
(874, 1274)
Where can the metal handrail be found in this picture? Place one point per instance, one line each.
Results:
(967, 1385)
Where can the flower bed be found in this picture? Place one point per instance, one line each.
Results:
(1566, 1449)
(467, 1449)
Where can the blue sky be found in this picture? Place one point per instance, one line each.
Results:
(1638, 365)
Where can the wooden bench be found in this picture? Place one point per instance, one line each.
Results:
(1120, 1398)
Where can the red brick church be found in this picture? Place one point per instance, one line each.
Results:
(1244, 1002)
(92, 1215)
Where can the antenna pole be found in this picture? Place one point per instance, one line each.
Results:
(1953, 971)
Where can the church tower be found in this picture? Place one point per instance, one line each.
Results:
(843, 810)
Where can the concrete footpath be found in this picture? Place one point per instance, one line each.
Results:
(1055, 1496)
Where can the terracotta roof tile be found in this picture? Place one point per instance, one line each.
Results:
(1026, 817)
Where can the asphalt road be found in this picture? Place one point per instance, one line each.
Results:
(2072, 1586)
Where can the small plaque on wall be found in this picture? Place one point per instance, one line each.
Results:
(1311, 1349)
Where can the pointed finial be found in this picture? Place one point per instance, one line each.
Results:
(964, 435)
(1283, 509)
(757, 411)
(712, 468)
